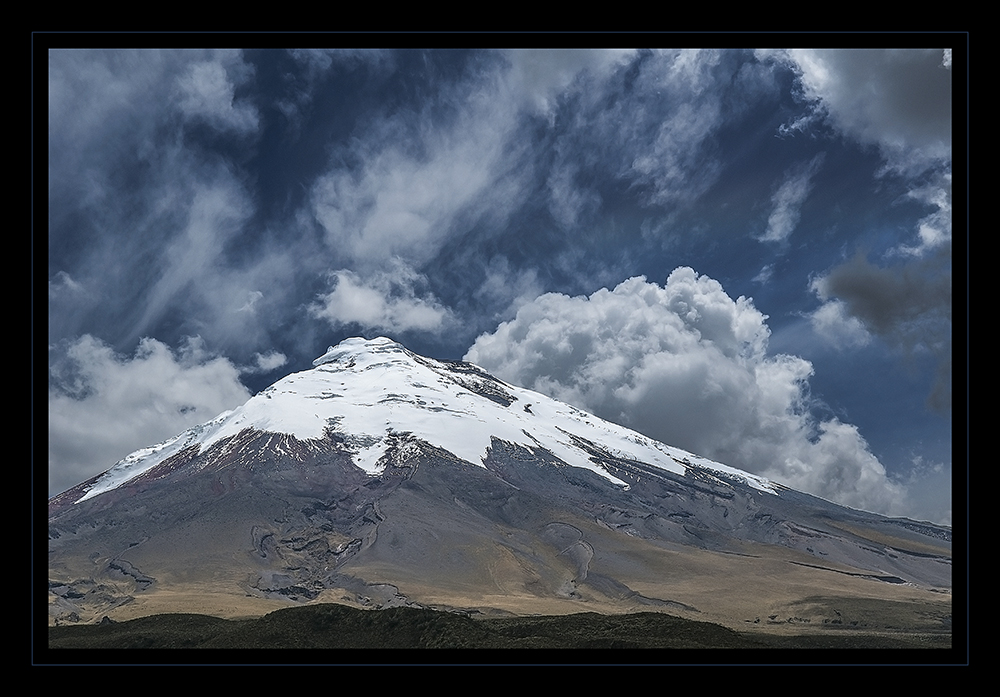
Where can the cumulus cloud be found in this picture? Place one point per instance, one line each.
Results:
(384, 300)
(686, 364)
(788, 199)
(103, 405)
(833, 322)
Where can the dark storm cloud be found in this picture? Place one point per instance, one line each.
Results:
(890, 300)
(909, 306)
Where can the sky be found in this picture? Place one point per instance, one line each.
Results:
(745, 253)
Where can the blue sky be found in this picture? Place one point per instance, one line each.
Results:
(745, 253)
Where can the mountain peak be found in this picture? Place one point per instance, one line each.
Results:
(367, 393)
(355, 346)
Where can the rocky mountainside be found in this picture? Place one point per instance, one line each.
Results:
(380, 478)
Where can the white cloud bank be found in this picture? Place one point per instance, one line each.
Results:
(686, 364)
(102, 406)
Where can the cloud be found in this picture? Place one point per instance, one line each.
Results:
(207, 92)
(934, 229)
(253, 297)
(679, 109)
(210, 215)
(541, 74)
(145, 212)
(265, 362)
(651, 123)
(414, 179)
(832, 322)
(383, 300)
(908, 306)
(63, 286)
(102, 405)
(896, 99)
(687, 365)
(764, 275)
(506, 288)
(930, 486)
(891, 301)
(314, 66)
(646, 125)
(788, 199)
(569, 202)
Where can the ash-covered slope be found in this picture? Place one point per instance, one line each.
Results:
(383, 477)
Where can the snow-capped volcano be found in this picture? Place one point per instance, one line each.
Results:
(382, 477)
(366, 393)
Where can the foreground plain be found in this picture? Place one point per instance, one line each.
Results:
(332, 626)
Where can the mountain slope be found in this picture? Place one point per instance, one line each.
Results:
(381, 477)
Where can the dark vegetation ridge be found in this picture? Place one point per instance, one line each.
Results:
(331, 626)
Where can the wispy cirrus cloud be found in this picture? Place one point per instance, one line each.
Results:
(145, 192)
(207, 91)
(788, 199)
(539, 76)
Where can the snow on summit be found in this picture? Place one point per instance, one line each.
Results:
(364, 390)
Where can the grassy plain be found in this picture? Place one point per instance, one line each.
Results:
(334, 626)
